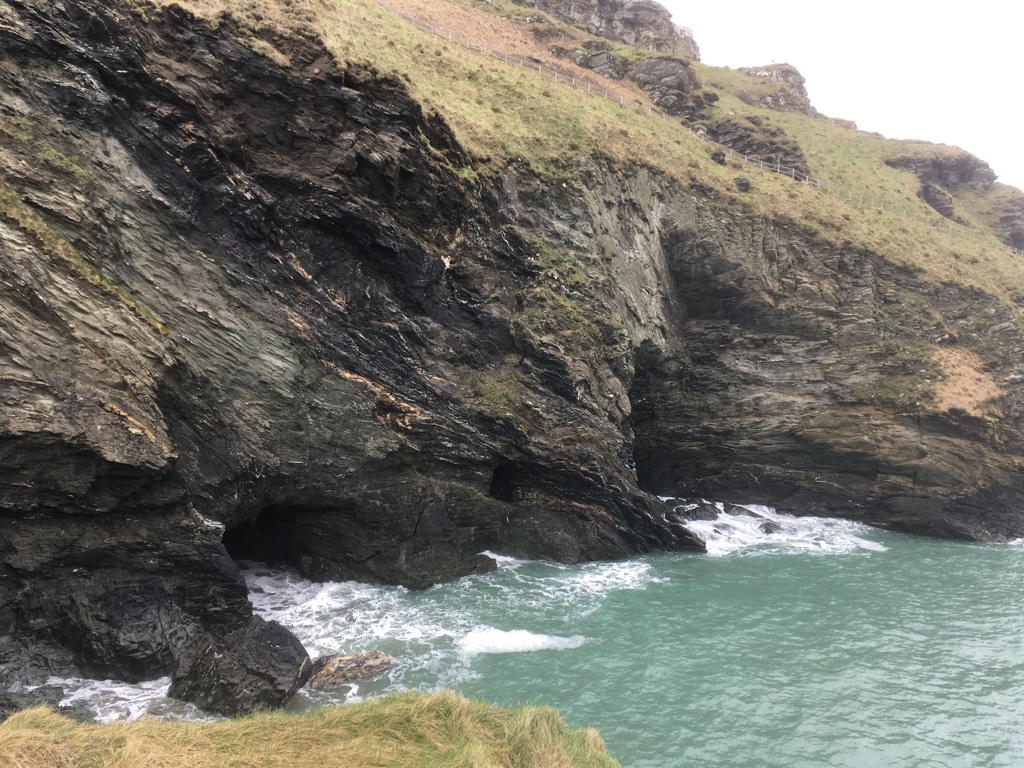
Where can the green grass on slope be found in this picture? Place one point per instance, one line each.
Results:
(502, 113)
(876, 206)
(406, 731)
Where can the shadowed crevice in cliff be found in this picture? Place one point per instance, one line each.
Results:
(374, 539)
(563, 513)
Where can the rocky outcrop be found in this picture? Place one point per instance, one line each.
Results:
(260, 666)
(635, 22)
(604, 62)
(940, 199)
(668, 81)
(942, 175)
(343, 668)
(756, 138)
(790, 94)
(949, 171)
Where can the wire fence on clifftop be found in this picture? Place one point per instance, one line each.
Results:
(587, 86)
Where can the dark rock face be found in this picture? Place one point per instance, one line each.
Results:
(25, 669)
(260, 666)
(261, 310)
(125, 594)
(780, 395)
(667, 80)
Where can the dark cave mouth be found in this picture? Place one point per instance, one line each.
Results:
(268, 538)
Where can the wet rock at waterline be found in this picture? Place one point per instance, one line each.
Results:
(258, 667)
(339, 669)
(26, 668)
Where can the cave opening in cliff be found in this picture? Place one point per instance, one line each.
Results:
(504, 480)
(651, 456)
(267, 538)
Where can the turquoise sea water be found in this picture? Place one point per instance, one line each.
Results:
(821, 644)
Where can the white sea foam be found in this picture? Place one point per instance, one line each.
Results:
(491, 640)
(505, 561)
(113, 700)
(874, 546)
(568, 592)
(436, 634)
(763, 530)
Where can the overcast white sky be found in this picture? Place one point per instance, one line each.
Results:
(942, 72)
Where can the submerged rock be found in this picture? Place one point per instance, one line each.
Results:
(258, 667)
(339, 669)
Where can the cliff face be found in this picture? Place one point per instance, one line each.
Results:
(635, 22)
(264, 304)
(254, 311)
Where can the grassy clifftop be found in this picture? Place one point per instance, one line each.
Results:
(411, 730)
(501, 113)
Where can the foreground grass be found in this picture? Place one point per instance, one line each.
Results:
(411, 729)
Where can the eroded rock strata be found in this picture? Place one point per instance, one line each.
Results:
(261, 315)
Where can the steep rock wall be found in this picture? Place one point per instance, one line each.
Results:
(264, 304)
(263, 310)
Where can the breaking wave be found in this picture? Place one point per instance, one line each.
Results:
(755, 529)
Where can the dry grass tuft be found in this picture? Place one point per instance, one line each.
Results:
(965, 384)
(498, 33)
(405, 731)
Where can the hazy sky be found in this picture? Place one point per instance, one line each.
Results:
(946, 73)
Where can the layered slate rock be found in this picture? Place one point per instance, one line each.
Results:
(757, 139)
(261, 307)
(790, 94)
(26, 667)
(942, 175)
(667, 80)
(260, 666)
